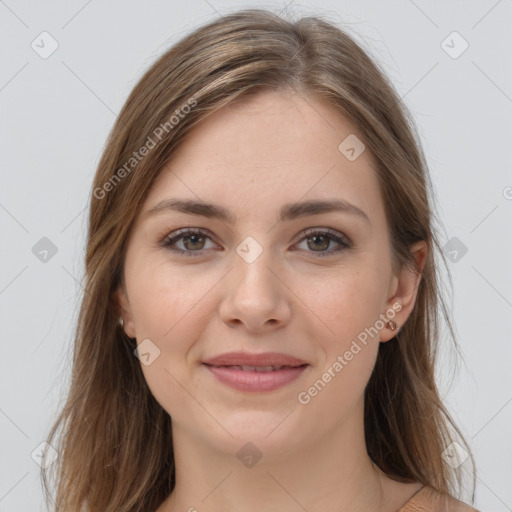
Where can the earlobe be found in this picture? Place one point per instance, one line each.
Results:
(124, 311)
(406, 288)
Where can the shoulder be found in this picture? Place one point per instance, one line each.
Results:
(459, 506)
(454, 505)
(429, 500)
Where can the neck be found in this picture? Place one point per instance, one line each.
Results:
(331, 473)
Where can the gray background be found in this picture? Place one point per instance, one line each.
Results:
(55, 116)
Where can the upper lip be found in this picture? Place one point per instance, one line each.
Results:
(248, 359)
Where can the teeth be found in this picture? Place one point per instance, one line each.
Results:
(256, 368)
(263, 368)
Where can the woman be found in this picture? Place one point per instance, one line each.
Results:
(261, 312)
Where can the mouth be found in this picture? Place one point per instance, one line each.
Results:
(256, 377)
(262, 360)
(259, 369)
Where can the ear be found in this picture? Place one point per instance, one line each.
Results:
(404, 289)
(123, 307)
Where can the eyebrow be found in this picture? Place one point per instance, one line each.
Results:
(288, 211)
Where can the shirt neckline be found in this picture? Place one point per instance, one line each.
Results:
(412, 499)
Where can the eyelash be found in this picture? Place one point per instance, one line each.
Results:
(169, 240)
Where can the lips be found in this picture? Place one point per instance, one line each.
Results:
(261, 369)
(255, 372)
(262, 360)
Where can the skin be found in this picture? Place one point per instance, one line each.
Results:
(251, 158)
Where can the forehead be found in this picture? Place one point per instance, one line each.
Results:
(267, 150)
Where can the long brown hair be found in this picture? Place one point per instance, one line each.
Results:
(113, 438)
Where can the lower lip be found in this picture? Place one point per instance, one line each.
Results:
(256, 381)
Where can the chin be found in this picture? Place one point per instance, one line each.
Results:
(271, 433)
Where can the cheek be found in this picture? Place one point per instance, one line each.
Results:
(346, 303)
(166, 299)
(171, 307)
(349, 307)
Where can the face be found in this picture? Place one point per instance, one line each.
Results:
(314, 284)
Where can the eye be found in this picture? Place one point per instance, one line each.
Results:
(319, 240)
(193, 241)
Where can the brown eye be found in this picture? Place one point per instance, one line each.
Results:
(192, 240)
(320, 241)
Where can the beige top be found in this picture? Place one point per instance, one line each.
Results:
(428, 500)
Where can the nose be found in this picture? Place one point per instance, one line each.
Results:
(255, 296)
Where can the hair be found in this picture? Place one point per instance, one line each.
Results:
(113, 438)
